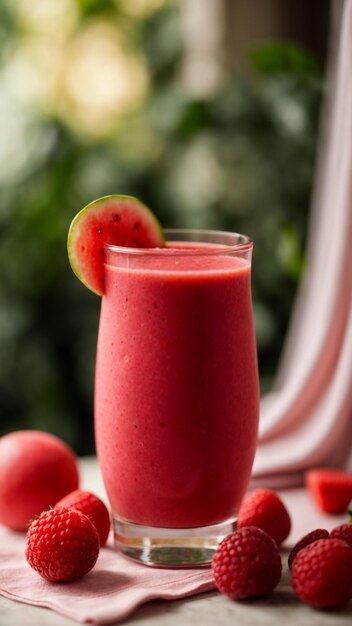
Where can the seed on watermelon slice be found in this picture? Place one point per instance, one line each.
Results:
(117, 220)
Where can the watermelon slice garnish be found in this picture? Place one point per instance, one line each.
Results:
(117, 220)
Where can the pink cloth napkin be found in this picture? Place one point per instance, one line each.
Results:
(307, 419)
(108, 594)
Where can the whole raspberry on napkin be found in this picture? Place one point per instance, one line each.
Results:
(62, 545)
(89, 504)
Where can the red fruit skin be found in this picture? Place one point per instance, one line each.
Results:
(62, 545)
(343, 532)
(319, 533)
(89, 504)
(36, 470)
(322, 574)
(264, 509)
(247, 564)
(330, 489)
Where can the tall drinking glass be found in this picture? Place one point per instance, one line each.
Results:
(176, 393)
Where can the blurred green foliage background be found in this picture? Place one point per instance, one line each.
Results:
(91, 103)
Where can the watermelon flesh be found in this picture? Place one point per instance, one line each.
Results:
(117, 220)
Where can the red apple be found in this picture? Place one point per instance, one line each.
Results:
(36, 470)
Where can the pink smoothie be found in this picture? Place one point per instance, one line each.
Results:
(176, 394)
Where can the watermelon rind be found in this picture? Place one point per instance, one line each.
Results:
(89, 269)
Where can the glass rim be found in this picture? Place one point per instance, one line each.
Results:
(216, 248)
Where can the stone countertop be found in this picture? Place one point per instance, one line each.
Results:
(211, 608)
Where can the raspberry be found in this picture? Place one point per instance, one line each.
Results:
(343, 532)
(264, 509)
(93, 507)
(62, 545)
(322, 573)
(330, 489)
(320, 533)
(247, 564)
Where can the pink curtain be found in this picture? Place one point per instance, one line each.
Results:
(307, 420)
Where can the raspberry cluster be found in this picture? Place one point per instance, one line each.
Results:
(247, 563)
(322, 573)
(63, 543)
